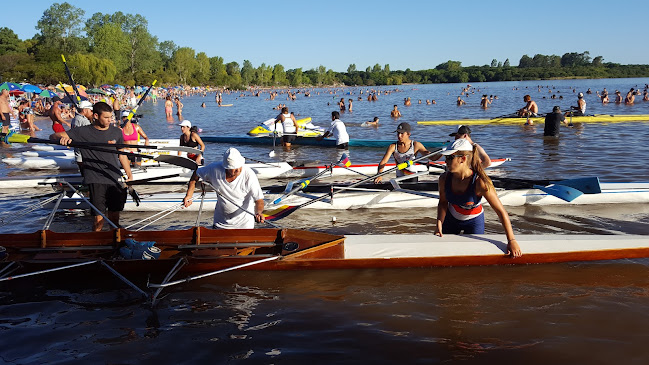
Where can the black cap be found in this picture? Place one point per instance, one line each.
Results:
(403, 127)
(556, 109)
(463, 129)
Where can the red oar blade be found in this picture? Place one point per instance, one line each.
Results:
(280, 212)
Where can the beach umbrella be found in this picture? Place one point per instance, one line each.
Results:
(117, 86)
(47, 94)
(28, 88)
(16, 92)
(96, 91)
(67, 100)
(9, 86)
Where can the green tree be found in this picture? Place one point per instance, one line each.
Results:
(247, 72)
(110, 42)
(218, 75)
(10, 43)
(202, 71)
(279, 75)
(524, 62)
(183, 63)
(91, 70)
(61, 26)
(506, 64)
(166, 50)
(295, 77)
(494, 63)
(351, 69)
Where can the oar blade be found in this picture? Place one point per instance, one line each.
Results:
(560, 191)
(587, 185)
(178, 161)
(280, 212)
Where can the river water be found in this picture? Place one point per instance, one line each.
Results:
(560, 313)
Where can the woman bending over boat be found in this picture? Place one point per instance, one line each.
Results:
(461, 189)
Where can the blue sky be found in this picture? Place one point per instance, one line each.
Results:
(409, 34)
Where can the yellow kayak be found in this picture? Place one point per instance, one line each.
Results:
(597, 118)
(306, 128)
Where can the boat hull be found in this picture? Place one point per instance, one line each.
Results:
(310, 141)
(597, 118)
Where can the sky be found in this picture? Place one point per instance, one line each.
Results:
(410, 34)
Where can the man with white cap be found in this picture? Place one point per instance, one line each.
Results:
(578, 110)
(240, 198)
(82, 118)
(461, 189)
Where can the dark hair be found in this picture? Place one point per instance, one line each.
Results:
(101, 107)
(284, 110)
(335, 115)
(376, 118)
(193, 129)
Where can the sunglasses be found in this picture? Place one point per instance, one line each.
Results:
(450, 157)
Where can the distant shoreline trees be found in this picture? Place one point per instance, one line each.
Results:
(118, 47)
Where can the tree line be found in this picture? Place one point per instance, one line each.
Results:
(118, 48)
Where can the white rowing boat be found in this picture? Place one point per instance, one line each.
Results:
(361, 198)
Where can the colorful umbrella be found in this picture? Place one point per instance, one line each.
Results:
(28, 88)
(9, 86)
(119, 86)
(16, 92)
(96, 91)
(47, 94)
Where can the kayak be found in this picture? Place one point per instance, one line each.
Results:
(596, 118)
(306, 129)
(382, 196)
(311, 141)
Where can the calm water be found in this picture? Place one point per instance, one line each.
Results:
(564, 313)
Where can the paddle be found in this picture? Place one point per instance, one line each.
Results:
(586, 185)
(74, 86)
(305, 182)
(70, 97)
(170, 159)
(286, 210)
(23, 138)
(132, 113)
(272, 153)
(560, 191)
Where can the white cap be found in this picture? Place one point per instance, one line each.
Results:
(459, 145)
(232, 159)
(580, 95)
(186, 123)
(125, 113)
(85, 104)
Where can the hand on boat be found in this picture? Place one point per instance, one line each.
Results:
(187, 201)
(513, 249)
(259, 218)
(378, 179)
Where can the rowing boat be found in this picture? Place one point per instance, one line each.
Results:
(203, 250)
(305, 129)
(383, 196)
(310, 141)
(596, 118)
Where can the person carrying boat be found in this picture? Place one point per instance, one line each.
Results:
(553, 121)
(239, 187)
(461, 189)
(530, 109)
(289, 126)
(338, 130)
(403, 150)
(101, 170)
(190, 138)
(578, 110)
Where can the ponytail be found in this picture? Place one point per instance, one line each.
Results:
(476, 166)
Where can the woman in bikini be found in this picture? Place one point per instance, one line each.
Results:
(132, 132)
(190, 138)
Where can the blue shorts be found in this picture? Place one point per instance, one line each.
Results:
(452, 225)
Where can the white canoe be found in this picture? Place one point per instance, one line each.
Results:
(612, 193)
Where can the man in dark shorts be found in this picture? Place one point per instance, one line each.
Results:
(101, 170)
(5, 110)
(553, 122)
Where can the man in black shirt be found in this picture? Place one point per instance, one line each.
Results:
(553, 121)
(101, 170)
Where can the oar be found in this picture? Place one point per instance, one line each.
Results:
(303, 184)
(70, 97)
(586, 185)
(170, 159)
(23, 138)
(272, 153)
(132, 113)
(285, 210)
(74, 86)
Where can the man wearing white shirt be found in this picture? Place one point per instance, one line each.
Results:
(338, 130)
(239, 193)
